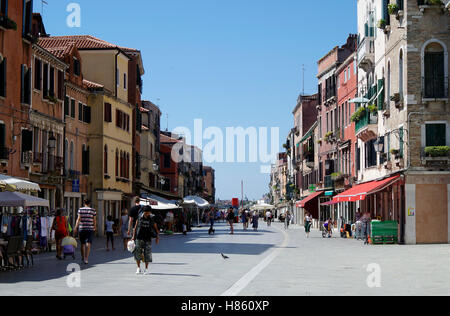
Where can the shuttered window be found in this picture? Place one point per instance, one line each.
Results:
(72, 108)
(3, 78)
(108, 116)
(37, 74)
(435, 135)
(25, 85)
(66, 106)
(45, 80)
(434, 75)
(80, 111)
(86, 114)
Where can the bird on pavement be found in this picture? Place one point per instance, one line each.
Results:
(225, 257)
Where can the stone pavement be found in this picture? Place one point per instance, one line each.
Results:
(268, 262)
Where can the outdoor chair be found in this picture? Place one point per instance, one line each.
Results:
(13, 252)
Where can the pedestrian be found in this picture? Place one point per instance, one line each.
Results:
(230, 219)
(366, 220)
(61, 231)
(330, 228)
(123, 224)
(358, 215)
(211, 215)
(269, 218)
(143, 232)
(169, 221)
(109, 232)
(255, 220)
(308, 224)
(86, 226)
(287, 220)
(134, 215)
(244, 219)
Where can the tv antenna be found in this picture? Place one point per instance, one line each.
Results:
(42, 6)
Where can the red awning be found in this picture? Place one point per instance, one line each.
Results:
(303, 202)
(332, 202)
(359, 192)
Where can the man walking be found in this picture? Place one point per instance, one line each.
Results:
(86, 226)
(134, 215)
(143, 232)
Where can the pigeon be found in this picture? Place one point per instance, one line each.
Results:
(225, 257)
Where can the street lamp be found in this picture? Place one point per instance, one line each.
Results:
(379, 145)
(52, 142)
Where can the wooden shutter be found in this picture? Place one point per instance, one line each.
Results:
(66, 106)
(435, 135)
(80, 111)
(3, 78)
(22, 84)
(87, 114)
(52, 81)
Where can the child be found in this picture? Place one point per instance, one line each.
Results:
(109, 232)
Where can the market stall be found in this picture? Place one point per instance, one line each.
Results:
(195, 203)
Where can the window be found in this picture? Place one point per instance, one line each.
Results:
(86, 114)
(3, 78)
(45, 81)
(80, 111)
(52, 82)
(76, 67)
(66, 106)
(167, 160)
(85, 160)
(108, 116)
(435, 134)
(72, 108)
(37, 74)
(349, 73)
(435, 78)
(66, 154)
(26, 85)
(105, 160)
(2, 140)
(388, 86)
(117, 163)
(27, 17)
(4, 8)
(71, 156)
(36, 133)
(125, 81)
(370, 154)
(60, 84)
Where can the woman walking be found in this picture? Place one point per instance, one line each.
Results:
(308, 224)
(123, 224)
(255, 220)
(61, 231)
(110, 233)
(144, 231)
(230, 219)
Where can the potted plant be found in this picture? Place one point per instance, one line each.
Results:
(336, 176)
(359, 114)
(319, 141)
(396, 153)
(328, 136)
(393, 9)
(382, 24)
(373, 108)
(437, 151)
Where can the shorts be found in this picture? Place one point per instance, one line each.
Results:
(110, 236)
(143, 251)
(60, 235)
(86, 236)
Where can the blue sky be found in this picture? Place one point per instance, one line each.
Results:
(229, 62)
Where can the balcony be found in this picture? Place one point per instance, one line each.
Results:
(27, 157)
(38, 157)
(328, 182)
(437, 157)
(4, 153)
(367, 127)
(366, 54)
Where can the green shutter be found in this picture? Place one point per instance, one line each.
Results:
(401, 141)
(435, 135)
(380, 100)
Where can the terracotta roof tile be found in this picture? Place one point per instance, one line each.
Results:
(81, 42)
(92, 85)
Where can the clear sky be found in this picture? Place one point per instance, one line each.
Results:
(230, 63)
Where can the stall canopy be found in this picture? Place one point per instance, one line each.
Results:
(311, 197)
(18, 184)
(359, 192)
(17, 199)
(262, 207)
(158, 203)
(195, 201)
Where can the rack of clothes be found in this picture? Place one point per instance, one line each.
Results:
(34, 223)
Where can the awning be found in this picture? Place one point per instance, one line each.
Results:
(19, 184)
(262, 207)
(302, 203)
(17, 199)
(359, 192)
(332, 202)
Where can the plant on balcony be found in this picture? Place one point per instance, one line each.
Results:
(328, 137)
(437, 151)
(319, 141)
(434, 2)
(336, 176)
(382, 24)
(359, 114)
(373, 108)
(395, 152)
(51, 98)
(285, 146)
(393, 8)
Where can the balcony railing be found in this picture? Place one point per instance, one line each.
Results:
(4, 153)
(368, 119)
(366, 53)
(38, 157)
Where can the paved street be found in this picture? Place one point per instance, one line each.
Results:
(269, 262)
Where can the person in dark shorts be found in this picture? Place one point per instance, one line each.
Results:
(109, 233)
(86, 226)
(144, 230)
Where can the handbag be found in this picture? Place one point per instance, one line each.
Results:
(131, 246)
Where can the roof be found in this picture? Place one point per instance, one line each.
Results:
(61, 52)
(167, 139)
(92, 85)
(81, 42)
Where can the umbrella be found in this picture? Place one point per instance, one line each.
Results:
(19, 184)
(69, 241)
(359, 100)
(17, 199)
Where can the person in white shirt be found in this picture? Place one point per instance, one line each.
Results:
(269, 218)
